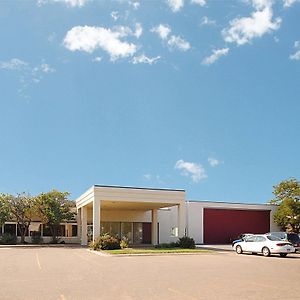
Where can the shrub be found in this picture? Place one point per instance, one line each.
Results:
(105, 242)
(36, 238)
(8, 239)
(166, 245)
(186, 242)
(124, 243)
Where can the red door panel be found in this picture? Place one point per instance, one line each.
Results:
(225, 225)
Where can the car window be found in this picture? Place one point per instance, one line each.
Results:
(249, 238)
(273, 238)
(281, 235)
(260, 239)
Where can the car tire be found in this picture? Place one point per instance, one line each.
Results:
(238, 249)
(283, 254)
(266, 251)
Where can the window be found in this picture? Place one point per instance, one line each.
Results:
(10, 228)
(260, 239)
(74, 230)
(174, 231)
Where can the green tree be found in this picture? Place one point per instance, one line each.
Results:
(54, 208)
(4, 209)
(22, 209)
(287, 197)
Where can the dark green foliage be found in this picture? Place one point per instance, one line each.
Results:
(105, 242)
(167, 245)
(287, 197)
(8, 239)
(186, 243)
(54, 208)
(36, 238)
(4, 209)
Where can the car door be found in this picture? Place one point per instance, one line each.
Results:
(258, 244)
(248, 243)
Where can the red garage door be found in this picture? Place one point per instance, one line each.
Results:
(225, 225)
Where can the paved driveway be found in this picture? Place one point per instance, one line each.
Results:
(75, 273)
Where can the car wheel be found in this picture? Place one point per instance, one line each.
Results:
(238, 250)
(266, 251)
(283, 254)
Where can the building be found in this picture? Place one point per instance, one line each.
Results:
(149, 215)
(152, 216)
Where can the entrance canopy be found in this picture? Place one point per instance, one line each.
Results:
(126, 200)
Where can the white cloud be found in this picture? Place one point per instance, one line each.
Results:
(144, 59)
(70, 3)
(97, 59)
(194, 170)
(296, 55)
(289, 3)
(27, 73)
(134, 4)
(207, 21)
(175, 5)
(138, 30)
(162, 30)
(215, 56)
(114, 15)
(13, 64)
(199, 2)
(89, 39)
(176, 42)
(213, 162)
(173, 41)
(243, 30)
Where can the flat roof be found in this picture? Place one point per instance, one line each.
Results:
(224, 202)
(137, 188)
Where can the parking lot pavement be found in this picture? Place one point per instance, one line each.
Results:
(75, 273)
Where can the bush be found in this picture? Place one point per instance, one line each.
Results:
(36, 238)
(124, 243)
(186, 243)
(105, 242)
(167, 245)
(8, 239)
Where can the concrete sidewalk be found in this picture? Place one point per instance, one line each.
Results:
(226, 247)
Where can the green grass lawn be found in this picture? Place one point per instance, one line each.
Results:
(155, 251)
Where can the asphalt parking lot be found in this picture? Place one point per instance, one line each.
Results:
(75, 273)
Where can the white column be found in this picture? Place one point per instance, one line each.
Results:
(96, 218)
(83, 225)
(154, 227)
(181, 220)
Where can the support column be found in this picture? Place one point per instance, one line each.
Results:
(83, 211)
(154, 227)
(96, 219)
(181, 220)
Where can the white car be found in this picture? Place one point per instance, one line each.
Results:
(265, 244)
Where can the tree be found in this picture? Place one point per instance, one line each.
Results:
(4, 210)
(287, 197)
(54, 208)
(22, 209)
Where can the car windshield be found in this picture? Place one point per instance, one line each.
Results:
(280, 235)
(273, 238)
(293, 237)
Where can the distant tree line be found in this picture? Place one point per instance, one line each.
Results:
(50, 209)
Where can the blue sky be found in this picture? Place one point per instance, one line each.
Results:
(199, 95)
